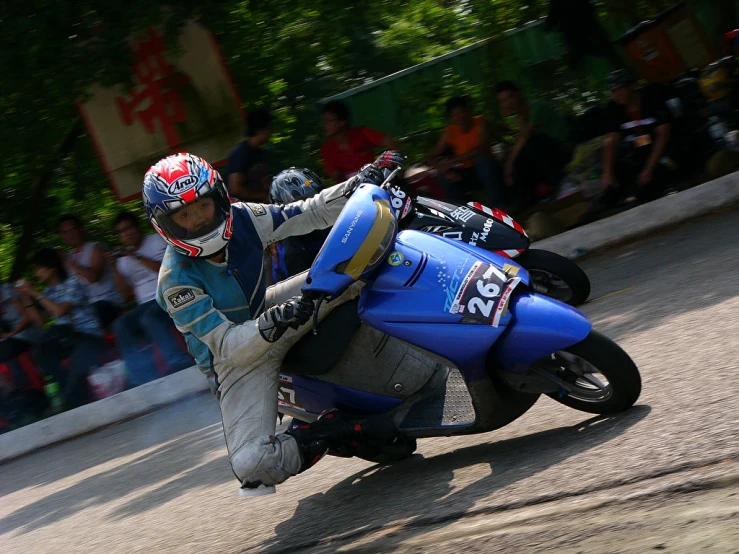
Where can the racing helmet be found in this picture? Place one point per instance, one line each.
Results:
(188, 204)
(294, 184)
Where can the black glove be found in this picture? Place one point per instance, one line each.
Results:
(389, 159)
(276, 320)
(368, 174)
(375, 172)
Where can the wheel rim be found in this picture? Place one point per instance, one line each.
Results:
(551, 285)
(584, 381)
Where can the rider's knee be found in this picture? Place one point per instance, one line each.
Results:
(257, 462)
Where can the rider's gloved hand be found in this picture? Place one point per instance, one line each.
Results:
(276, 320)
(368, 174)
(376, 172)
(389, 159)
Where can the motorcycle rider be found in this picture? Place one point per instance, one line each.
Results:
(211, 283)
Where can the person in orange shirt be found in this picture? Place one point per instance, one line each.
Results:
(470, 166)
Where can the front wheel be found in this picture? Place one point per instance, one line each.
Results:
(555, 276)
(595, 375)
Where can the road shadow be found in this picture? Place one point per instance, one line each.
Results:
(668, 275)
(197, 456)
(418, 492)
(108, 444)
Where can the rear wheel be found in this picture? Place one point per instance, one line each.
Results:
(597, 376)
(555, 276)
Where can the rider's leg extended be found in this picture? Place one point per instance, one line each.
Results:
(248, 400)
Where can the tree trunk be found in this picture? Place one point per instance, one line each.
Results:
(39, 184)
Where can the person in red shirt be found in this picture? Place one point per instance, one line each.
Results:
(348, 149)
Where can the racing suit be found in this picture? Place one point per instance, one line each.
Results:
(216, 305)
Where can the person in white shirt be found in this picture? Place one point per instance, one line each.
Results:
(136, 273)
(87, 261)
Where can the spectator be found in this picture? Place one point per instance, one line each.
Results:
(638, 135)
(248, 163)
(18, 331)
(74, 331)
(87, 261)
(17, 335)
(348, 149)
(535, 164)
(136, 271)
(470, 167)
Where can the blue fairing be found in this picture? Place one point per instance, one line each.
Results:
(315, 396)
(347, 235)
(410, 295)
(542, 326)
(413, 302)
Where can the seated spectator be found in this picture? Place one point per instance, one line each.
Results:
(17, 335)
(534, 166)
(249, 173)
(87, 261)
(17, 331)
(470, 167)
(136, 271)
(348, 148)
(638, 136)
(74, 330)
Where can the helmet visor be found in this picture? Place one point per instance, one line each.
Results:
(195, 220)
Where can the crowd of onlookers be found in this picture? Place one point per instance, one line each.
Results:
(95, 304)
(515, 165)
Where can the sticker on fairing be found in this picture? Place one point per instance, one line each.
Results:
(484, 293)
(395, 258)
(181, 297)
(286, 393)
(398, 200)
(406, 208)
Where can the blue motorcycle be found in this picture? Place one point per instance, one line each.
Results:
(444, 339)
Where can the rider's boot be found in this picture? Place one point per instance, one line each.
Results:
(314, 439)
(331, 429)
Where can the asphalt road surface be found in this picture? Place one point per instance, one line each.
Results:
(660, 477)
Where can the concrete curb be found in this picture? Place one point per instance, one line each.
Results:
(645, 219)
(104, 412)
(629, 225)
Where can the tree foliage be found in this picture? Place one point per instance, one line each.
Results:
(284, 55)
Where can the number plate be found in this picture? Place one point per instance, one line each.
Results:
(484, 294)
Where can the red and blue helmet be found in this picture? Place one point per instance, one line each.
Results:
(184, 180)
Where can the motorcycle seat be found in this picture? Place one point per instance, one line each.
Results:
(317, 354)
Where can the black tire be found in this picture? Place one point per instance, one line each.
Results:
(560, 267)
(401, 449)
(615, 365)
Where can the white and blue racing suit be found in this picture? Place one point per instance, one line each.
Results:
(215, 306)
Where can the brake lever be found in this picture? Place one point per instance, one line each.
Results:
(385, 184)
